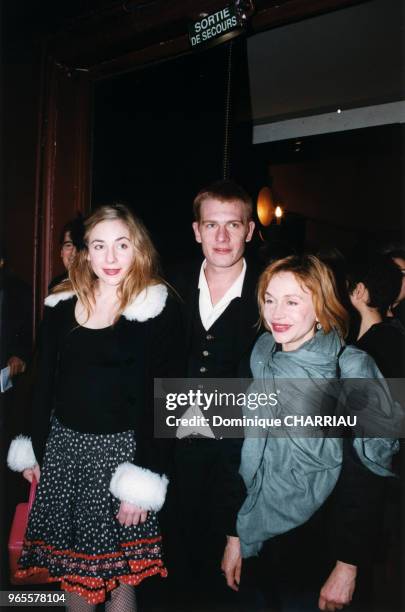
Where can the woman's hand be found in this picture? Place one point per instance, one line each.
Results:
(339, 588)
(232, 562)
(29, 473)
(129, 514)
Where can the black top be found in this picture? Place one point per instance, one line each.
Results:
(385, 342)
(359, 494)
(101, 381)
(91, 394)
(399, 313)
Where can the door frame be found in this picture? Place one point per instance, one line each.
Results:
(120, 38)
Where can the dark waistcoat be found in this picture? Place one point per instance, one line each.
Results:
(214, 353)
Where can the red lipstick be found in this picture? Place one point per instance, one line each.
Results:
(278, 327)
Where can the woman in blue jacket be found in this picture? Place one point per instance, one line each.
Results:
(291, 473)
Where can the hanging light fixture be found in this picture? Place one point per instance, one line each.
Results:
(268, 206)
(265, 206)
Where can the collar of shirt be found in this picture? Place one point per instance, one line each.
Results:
(209, 313)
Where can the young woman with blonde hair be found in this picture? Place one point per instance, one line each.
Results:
(107, 332)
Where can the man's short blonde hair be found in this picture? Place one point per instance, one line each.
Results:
(224, 191)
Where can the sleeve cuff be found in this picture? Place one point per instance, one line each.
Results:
(21, 455)
(139, 486)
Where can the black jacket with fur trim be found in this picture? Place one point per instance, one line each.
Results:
(147, 335)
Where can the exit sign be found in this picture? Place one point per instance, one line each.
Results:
(218, 27)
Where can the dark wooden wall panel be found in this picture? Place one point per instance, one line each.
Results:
(66, 168)
(21, 99)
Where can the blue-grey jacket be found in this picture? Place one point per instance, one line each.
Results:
(289, 477)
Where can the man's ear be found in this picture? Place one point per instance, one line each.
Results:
(251, 227)
(196, 228)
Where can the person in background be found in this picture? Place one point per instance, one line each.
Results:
(71, 241)
(15, 354)
(16, 320)
(106, 333)
(375, 284)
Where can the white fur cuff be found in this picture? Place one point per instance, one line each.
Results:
(21, 454)
(139, 486)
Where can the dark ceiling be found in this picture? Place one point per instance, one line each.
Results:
(129, 25)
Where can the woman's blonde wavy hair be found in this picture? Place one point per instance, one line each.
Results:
(314, 275)
(143, 272)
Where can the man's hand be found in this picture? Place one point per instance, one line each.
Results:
(16, 365)
(129, 514)
(232, 562)
(29, 473)
(339, 588)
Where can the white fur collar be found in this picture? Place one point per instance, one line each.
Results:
(147, 305)
(54, 298)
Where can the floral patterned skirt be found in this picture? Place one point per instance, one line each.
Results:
(73, 531)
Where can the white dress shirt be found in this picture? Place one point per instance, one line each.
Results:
(209, 313)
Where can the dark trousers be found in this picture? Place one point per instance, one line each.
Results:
(193, 544)
(291, 569)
